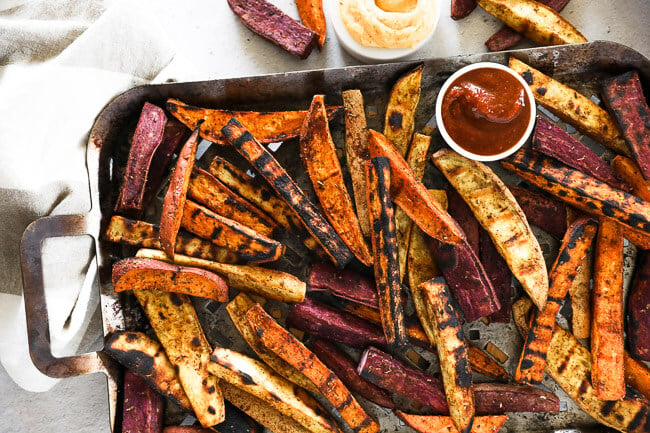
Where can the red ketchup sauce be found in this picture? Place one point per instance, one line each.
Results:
(486, 111)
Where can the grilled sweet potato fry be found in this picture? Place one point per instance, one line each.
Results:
(631, 173)
(267, 127)
(499, 398)
(312, 15)
(208, 191)
(452, 352)
(227, 233)
(480, 362)
(460, 211)
(573, 251)
(146, 358)
(147, 137)
(399, 123)
(176, 325)
(507, 38)
(343, 283)
(580, 292)
(572, 107)
(271, 170)
(580, 190)
(461, 8)
(569, 364)
(140, 233)
(637, 375)
(638, 309)
(260, 411)
(411, 195)
(553, 141)
(384, 248)
(541, 210)
(143, 273)
(624, 98)
(391, 374)
(356, 152)
(345, 368)
(499, 214)
(499, 275)
(142, 408)
(237, 309)
(277, 339)
(262, 197)
(262, 382)
(268, 283)
(271, 23)
(466, 278)
(536, 21)
(174, 204)
(444, 424)
(417, 158)
(319, 158)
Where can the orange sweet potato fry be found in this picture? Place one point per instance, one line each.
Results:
(312, 16)
(631, 173)
(482, 363)
(443, 424)
(637, 375)
(172, 211)
(412, 196)
(268, 127)
(137, 273)
(319, 157)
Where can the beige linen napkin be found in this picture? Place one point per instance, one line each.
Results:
(60, 63)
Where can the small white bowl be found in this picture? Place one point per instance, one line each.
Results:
(371, 54)
(458, 148)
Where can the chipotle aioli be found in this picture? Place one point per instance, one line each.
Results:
(486, 111)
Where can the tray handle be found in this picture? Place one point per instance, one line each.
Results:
(38, 323)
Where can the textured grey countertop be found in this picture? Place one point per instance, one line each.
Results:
(209, 37)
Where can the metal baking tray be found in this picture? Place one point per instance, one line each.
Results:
(581, 66)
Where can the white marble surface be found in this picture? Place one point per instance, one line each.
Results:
(211, 39)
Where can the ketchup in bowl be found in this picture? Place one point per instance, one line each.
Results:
(485, 111)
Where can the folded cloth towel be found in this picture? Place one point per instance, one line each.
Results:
(60, 63)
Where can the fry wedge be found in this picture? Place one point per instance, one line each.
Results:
(573, 251)
(607, 340)
(269, 127)
(142, 408)
(444, 424)
(536, 21)
(384, 248)
(399, 123)
(262, 382)
(411, 195)
(271, 170)
(572, 107)
(237, 309)
(541, 210)
(580, 292)
(173, 206)
(417, 158)
(208, 191)
(143, 273)
(462, 8)
(262, 197)
(638, 310)
(176, 325)
(319, 158)
(499, 214)
(453, 352)
(143, 234)
(356, 152)
(586, 193)
(569, 363)
(480, 362)
(631, 173)
(285, 345)
(226, 233)
(637, 375)
(268, 283)
(146, 358)
(312, 15)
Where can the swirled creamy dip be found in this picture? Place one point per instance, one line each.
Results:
(389, 23)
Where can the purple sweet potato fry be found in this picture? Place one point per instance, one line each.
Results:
(460, 211)
(499, 274)
(498, 398)
(546, 213)
(142, 410)
(624, 98)
(551, 140)
(342, 283)
(462, 8)
(268, 21)
(638, 309)
(345, 368)
(466, 278)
